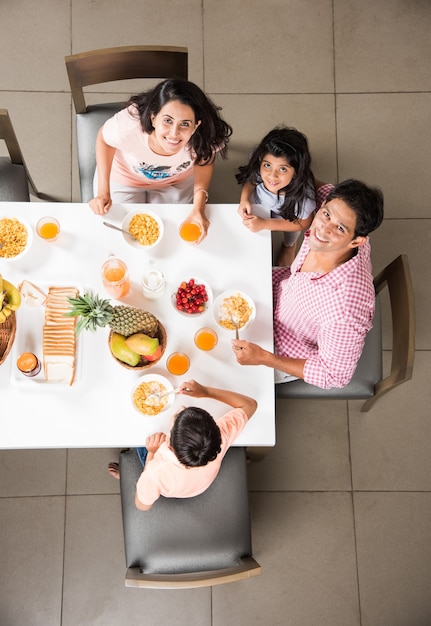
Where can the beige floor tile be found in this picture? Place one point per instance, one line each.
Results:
(87, 471)
(411, 237)
(106, 24)
(31, 547)
(394, 556)
(390, 444)
(305, 545)
(94, 591)
(391, 37)
(42, 124)
(311, 451)
(268, 48)
(35, 39)
(32, 472)
(385, 139)
(253, 116)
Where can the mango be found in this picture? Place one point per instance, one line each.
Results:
(142, 344)
(156, 354)
(122, 352)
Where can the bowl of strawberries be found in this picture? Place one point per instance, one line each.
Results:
(192, 296)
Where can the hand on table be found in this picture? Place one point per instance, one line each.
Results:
(154, 442)
(101, 204)
(254, 223)
(193, 389)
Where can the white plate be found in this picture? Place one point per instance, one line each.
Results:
(161, 380)
(220, 313)
(29, 338)
(198, 281)
(132, 242)
(29, 238)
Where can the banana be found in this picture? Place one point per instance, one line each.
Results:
(13, 295)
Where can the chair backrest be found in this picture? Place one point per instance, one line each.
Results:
(108, 65)
(189, 542)
(397, 278)
(122, 63)
(14, 178)
(368, 382)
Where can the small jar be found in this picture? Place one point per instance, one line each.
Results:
(28, 364)
(153, 282)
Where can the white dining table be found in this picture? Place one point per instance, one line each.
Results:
(97, 410)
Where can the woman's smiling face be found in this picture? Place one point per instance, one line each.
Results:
(173, 126)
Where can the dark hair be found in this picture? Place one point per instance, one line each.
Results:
(365, 201)
(195, 437)
(213, 132)
(289, 143)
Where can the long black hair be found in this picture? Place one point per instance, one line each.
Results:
(213, 132)
(283, 141)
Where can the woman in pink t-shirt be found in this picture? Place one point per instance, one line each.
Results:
(161, 148)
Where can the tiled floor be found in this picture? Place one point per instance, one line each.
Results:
(342, 505)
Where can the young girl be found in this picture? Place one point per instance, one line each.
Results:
(161, 148)
(278, 177)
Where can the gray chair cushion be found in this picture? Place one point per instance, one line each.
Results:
(367, 374)
(13, 182)
(87, 127)
(207, 532)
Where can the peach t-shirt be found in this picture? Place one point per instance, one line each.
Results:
(135, 164)
(165, 476)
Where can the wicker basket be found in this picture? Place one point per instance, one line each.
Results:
(7, 336)
(144, 364)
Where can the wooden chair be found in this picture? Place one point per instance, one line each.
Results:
(368, 381)
(189, 542)
(15, 178)
(107, 65)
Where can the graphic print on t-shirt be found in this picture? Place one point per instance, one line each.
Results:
(157, 172)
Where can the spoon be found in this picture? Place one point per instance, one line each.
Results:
(126, 232)
(154, 398)
(236, 327)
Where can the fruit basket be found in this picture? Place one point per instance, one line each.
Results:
(143, 363)
(7, 336)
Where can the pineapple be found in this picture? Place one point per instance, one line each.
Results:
(124, 320)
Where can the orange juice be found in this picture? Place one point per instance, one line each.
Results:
(48, 228)
(28, 364)
(116, 278)
(206, 339)
(189, 231)
(178, 363)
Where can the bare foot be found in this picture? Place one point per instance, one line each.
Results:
(114, 470)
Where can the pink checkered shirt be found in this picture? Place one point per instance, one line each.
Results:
(324, 318)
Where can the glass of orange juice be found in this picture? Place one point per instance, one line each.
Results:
(115, 277)
(48, 228)
(178, 363)
(206, 338)
(190, 231)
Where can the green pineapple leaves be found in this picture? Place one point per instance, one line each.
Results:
(94, 312)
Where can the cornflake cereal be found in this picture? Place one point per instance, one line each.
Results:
(143, 391)
(144, 228)
(14, 236)
(236, 307)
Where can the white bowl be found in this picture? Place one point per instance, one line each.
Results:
(198, 281)
(157, 380)
(222, 314)
(133, 242)
(29, 238)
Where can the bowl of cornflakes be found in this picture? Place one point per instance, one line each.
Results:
(145, 227)
(234, 305)
(146, 394)
(16, 237)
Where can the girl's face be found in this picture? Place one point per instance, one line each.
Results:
(276, 172)
(173, 127)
